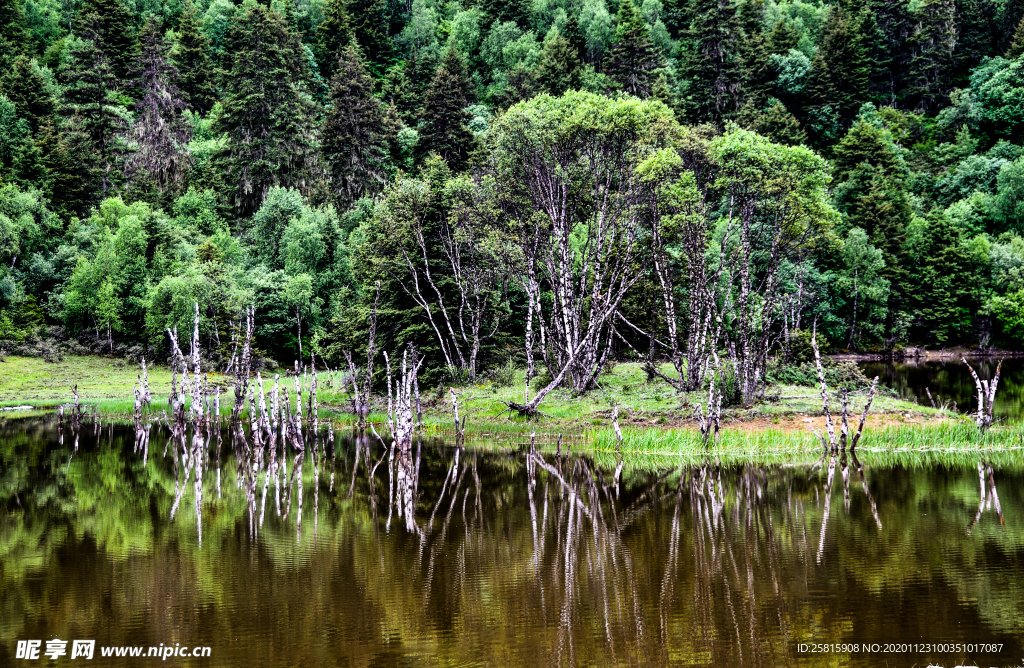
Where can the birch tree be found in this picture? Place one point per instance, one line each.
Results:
(569, 168)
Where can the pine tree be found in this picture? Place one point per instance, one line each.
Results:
(870, 192)
(397, 90)
(519, 12)
(841, 69)
(976, 39)
(160, 134)
(14, 38)
(1017, 45)
(633, 59)
(574, 35)
(92, 93)
(110, 24)
(1011, 13)
(444, 115)
(933, 41)
(268, 114)
(894, 22)
(558, 69)
(713, 68)
(369, 23)
(776, 123)
(73, 172)
(354, 142)
(333, 35)
(758, 50)
(193, 62)
(26, 87)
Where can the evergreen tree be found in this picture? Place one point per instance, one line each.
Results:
(195, 75)
(368, 20)
(519, 12)
(633, 59)
(933, 41)
(869, 191)
(110, 25)
(268, 116)
(333, 35)
(776, 123)
(1017, 45)
(1011, 13)
(976, 39)
(72, 169)
(947, 292)
(14, 38)
(894, 23)
(841, 70)
(160, 134)
(443, 119)
(354, 142)
(713, 68)
(91, 93)
(574, 35)
(758, 50)
(558, 69)
(26, 87)
(397, 90)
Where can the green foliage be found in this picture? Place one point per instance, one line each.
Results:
(268, 114)
(192, 57)
(633, 58)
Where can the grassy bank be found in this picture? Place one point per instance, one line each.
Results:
(655, 418)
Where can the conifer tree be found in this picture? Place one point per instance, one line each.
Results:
(633, 59)
(72, 169)
(870, 192)
(195, 75)
(933, 42)
(354, 142)
(574, 35)
(558, 69)
(26, 87)
(397, 90)
(713, 67)
(333, 35)
(841, 70)
(1010, 14)
(369, 22)
(444, 115)
(976, 39)
(519, 12)
(268, 114)
(110, 24)
(14, 38)
(92, 93)
(775, 122)
(1017, 45)
(160, 134)
(894, 23)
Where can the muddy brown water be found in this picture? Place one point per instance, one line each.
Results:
(495, 556)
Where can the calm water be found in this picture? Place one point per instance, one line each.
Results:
(950, 381)
(496, 557)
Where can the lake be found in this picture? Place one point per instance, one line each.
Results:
(950, 381)
(354, 555)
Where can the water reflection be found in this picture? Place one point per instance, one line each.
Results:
(502, 555)
(950, 383)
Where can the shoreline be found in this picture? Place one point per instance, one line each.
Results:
(910, 355)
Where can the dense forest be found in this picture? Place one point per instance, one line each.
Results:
(548, 183)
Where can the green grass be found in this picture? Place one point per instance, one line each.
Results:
(657, 422)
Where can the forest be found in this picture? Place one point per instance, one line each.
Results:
(551, 184)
